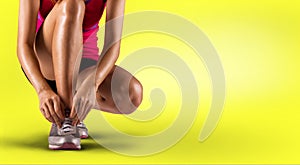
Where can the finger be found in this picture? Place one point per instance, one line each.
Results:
(89, 109)
(52, 113)
(74, 109)
(47, 115)
(82, 109)
(74, 116)
(42, 111)
(73, 112)
(78, 122)
(75, 121)
(58, 110)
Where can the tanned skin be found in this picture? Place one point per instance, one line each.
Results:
(52, 52)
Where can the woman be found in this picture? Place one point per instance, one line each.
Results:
(51, 36)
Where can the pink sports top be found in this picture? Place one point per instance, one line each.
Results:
(93, 13)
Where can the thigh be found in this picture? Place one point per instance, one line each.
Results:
(43, 44)
(120, 92)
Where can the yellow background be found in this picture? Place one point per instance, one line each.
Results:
(258, 43)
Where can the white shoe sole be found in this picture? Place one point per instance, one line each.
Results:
(67, 142)
(65, 146)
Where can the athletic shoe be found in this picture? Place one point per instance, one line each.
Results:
(64, 138)
(83, 131)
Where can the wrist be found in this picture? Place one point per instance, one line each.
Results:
(42, 90)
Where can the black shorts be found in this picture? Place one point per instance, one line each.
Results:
(85, 63)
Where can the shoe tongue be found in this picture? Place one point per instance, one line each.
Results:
(67, 112)
(68, 120)
(67, 128)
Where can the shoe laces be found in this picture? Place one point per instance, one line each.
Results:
(67, 128)
(81, 125)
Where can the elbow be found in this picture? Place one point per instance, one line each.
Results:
(20, 49)
(22, 46)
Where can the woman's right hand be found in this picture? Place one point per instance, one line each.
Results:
(51, 106)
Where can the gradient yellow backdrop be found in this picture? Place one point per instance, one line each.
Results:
(258, 43)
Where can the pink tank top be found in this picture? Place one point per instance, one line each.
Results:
(93, 13)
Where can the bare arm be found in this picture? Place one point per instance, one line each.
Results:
(26, 34)
(113, 32)
(50, 104)
(109, 55)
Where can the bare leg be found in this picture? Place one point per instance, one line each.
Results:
(119, 88)
(58, 45)
(125, 86)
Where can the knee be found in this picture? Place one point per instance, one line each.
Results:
(136, 96)
(136, 93)
(72, 8)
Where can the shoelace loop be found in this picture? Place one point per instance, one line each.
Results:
(67, 128)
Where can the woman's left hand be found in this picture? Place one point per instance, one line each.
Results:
(83, 101)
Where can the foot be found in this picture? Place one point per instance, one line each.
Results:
(64, 138)
(83, 131)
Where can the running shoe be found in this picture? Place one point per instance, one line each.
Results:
(64, 138)
(83, 131)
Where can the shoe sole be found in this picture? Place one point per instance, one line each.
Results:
(68, 142)
(84, 136)
(65, 146)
